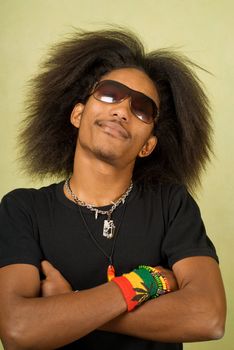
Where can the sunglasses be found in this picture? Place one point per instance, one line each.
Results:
(142, 106)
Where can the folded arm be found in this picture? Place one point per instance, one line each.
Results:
(28, 321)
(195, 312)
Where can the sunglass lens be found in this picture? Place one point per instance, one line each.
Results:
(143, 108)
(109, 92)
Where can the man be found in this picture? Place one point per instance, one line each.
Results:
(116, 255)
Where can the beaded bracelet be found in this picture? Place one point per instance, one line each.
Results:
(161, 280)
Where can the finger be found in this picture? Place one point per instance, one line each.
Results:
(47, 268)
(163, 269)
(160, 268)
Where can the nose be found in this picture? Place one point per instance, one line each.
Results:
(122, 110)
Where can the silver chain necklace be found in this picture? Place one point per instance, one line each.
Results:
(108, 225)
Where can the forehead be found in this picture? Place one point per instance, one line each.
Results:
(134, 79)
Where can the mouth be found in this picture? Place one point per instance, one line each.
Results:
(113, 128)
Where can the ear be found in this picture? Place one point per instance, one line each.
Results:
(148, 147)
(76, 114)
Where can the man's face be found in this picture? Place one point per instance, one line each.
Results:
(111, 132)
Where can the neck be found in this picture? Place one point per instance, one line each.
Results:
(98, 183)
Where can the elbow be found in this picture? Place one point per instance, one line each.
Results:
(14, 337)
(216, 329)
(207, 322)
(218, 320)
(214, 326)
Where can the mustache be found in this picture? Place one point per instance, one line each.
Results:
(123, 130)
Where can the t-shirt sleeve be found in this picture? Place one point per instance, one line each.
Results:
(18, 230)
(185, 232)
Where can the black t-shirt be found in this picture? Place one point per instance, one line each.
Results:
(155, 227)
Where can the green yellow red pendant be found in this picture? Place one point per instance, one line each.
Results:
(110, 273)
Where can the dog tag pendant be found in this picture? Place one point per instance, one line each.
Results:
(108, 229)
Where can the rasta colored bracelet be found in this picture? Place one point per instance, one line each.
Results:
(136, 286)
(143, 283)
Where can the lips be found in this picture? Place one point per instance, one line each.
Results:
(113, 128)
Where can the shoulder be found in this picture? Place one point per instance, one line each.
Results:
(173, 199)
(27, 197)
(178, 201)
(167, 192)
(175, 195)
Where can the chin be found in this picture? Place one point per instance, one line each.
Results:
(107, 157)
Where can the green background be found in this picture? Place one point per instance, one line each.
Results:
(203, 30)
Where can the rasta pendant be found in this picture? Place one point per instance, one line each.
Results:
(110, 273)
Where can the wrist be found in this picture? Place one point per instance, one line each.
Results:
(141, 284)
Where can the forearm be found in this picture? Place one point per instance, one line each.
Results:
(181, 316)
(170, 318)
(51, 322)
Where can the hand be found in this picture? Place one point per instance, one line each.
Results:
(54, 282)
(170, 277)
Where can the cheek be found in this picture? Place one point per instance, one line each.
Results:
(87, 117)
(93, 107)
(142, 134)
(87, 127)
